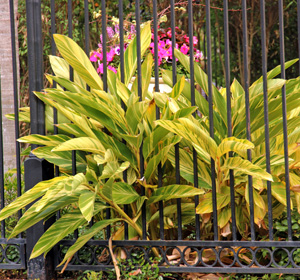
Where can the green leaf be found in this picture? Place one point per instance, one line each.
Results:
(61, 159)
(86, 237)
(206, 205)
(123, 193)
(161, 156)
(86, 204)
(276, 71)
(191, 132)
(130, 58)
(31, 195)
(202, 79)
(170, 210)
(178, 88)
(77, 58)
(61, 228)
(113, 169)
(62, 69)
(224, 217)
(245, 167)
(86, 144)
(279, 192)
(31, 217)
(146, 76)
(51, 140)
(135, 113)
(174, 191)
(233, 144)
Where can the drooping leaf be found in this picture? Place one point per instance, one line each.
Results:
(245, 167)
(31, 195)
(123, 193)
(86, 144)
(174, 191)
(77, 58)
(61, 228)
(130, 56)
(61, 159)
(233, 144)
(191, 132)
(206, 205)
(86, 237)
(50, 140)
(86, 204)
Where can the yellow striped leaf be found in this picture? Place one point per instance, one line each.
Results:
(174, 191)
(61, 228)
(123, 193)
(77, 58)
(233, 144)
(51, 140)
(245, 167)
(191, 132)
(86, 237)
(62, 159)
(31, 195)
(130, 58)
(62, 69)
(86, 204)
(86, 144)
(206, 206)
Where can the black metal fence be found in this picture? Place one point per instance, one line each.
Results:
(250, 254)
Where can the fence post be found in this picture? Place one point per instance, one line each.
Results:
(36, 169)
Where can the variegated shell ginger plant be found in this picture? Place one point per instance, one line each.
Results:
(195, 134)
(119, 148)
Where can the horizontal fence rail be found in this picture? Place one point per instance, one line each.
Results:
(230, 131)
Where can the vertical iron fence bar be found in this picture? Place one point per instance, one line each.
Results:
(192, 80)
(204, 49)
(70, 34)
(36, 170)
(104, 77)
(229, 120)
(1, 165)
(298, 25)
(156, 74)
(211, 120)
(103, 23)
(16, 98)
(216, 61)
(139, 84)
(86, 27)
(247, 104)
(53, 52)
(174, 76)
(122, 67)
(266, 112)
(284, 119)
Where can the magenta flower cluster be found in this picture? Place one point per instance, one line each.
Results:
(164, 47)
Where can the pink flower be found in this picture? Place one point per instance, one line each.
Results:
(169, 33)
(112, 68)
(95, 56)
(195, 40)
(184, 49)
(199, 55)
(169, 53)
(110, 55)
(168, 42)
(100, 68)
(117, 50)
(186, 39)
(161, 44)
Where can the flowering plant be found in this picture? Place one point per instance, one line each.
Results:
(165, 55)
